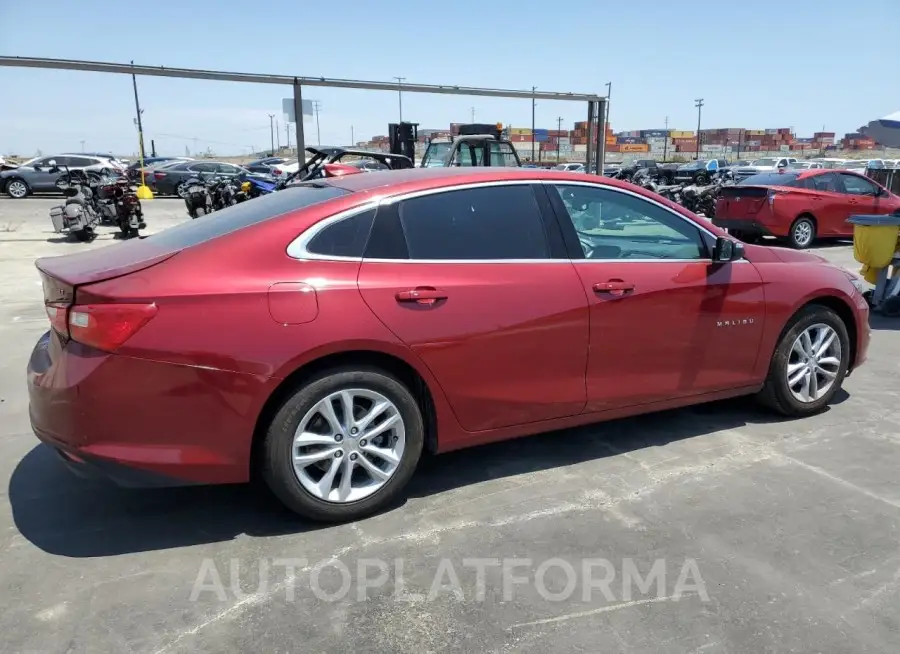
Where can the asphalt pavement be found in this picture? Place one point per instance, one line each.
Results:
(711, 529)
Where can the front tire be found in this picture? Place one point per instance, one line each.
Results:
(803, 233)
(344, 445)
(17, 188)
(809, 363)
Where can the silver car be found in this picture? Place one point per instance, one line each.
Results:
(35, 176)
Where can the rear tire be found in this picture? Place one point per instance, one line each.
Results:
(803, 233)
(280, 448)
(199, 211)
(777, 394)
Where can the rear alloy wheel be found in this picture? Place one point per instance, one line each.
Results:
(16, 188)
(803, 233)
(809, 364)
(702, 179)
(344, 445)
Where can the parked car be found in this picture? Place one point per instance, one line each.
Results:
(35, 176)
(806, 165)
(698, 172)
(862, 165)
(663, 171)
(763, 165)
(117, 164)
(800, 205)
(831, 163)
(326, 335)
(164, 180)
(570, 167)
(133, 171)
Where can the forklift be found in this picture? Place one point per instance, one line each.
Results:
(477, 144)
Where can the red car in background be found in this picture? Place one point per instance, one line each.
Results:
(325, 335)
(800, 205)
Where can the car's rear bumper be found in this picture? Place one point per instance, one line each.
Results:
(745, 225)
(142, 422)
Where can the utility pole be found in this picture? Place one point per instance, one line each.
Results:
(666, 142)
(352, 137)
(277, 135)
(473, 114)
(699, 104)
(137, 108)
(287, 133)
(533, 89)
(82, 147)
(400, 81)
(558, 130)
(272, 132)
(316, 106)
(740, 139)
(606, 118)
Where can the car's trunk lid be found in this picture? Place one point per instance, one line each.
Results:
(106, 263)
(738, 201)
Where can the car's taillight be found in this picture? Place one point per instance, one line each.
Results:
(158, 175)
(106, 326)
(277, 172)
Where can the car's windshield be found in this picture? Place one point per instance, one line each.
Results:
(763, 162)
(856, 164)
(770, 179)
(800, 164)
(560, 167)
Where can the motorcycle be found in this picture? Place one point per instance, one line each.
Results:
(254, 187)
(79, 215)
(197, 199)
(120, 205)
(671, 192)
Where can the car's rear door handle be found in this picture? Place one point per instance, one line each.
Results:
(426, 295)
(614, 287)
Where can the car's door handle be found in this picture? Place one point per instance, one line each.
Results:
(852, 201)
(426, 295)
(614, 287)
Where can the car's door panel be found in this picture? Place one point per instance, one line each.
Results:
(507, 339)
(827, 204)
(666, 322)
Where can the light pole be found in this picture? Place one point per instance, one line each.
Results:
(473, 114)
(533, 89)
(558, 130)
(352, 137)
(272, 132)
(606, 118)
(82, 147)
(137, 108)
(400, 81)
(666, 141)
(699, 104)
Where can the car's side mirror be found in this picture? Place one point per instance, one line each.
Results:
(54, 169)
(727, 250)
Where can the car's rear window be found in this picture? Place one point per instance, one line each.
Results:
(244, 214)
(771, 179)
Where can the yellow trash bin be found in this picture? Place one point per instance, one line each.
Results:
(875, 240)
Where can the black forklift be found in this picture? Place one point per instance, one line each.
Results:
(477, 144)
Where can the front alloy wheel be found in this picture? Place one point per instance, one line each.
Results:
(17, 189)
(803, 232)
(814, 363)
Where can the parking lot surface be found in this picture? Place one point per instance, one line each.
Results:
(725, 530)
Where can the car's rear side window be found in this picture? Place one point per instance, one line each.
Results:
(492, 222)
(345, 238)
(245, 214)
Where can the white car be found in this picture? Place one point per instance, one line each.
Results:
(764, 165)
(806, 165)
(570, 167)
(831, 162)
(862, 165)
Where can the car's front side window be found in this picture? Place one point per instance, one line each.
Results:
(855, 185)
(611, 224)
(481, 223)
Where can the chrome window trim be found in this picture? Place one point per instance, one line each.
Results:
(297, 249)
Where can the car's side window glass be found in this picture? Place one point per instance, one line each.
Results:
(502, 154)
(826, 182)
(344, 238)
(611, 224)
(487, 223)
(855, 185)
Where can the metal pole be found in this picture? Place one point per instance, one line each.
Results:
(272, 132)
(400, 95)
(590, 130)
(699, 105)
(352, 137)
(277, 135)
(558, 129)
(473, 114)
(666, 142)
(137, 107)
(533, 89)
(298, 117)
(602, 110)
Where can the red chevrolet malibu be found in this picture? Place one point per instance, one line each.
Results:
(800, 205)
(325, 335)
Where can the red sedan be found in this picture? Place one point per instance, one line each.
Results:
(800, 205)
(325, 335)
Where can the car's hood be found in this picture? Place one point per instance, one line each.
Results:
(768, 254)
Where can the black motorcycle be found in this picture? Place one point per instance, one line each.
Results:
(119, 202)
(197, 199)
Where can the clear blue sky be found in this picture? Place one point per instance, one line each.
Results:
(800, 63)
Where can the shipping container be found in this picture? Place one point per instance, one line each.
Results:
(819, 135)
(633, 147)
(654, 133)
(579, 147)
(610, 148)
(622, 140)
(520, 131)
(675, 134)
